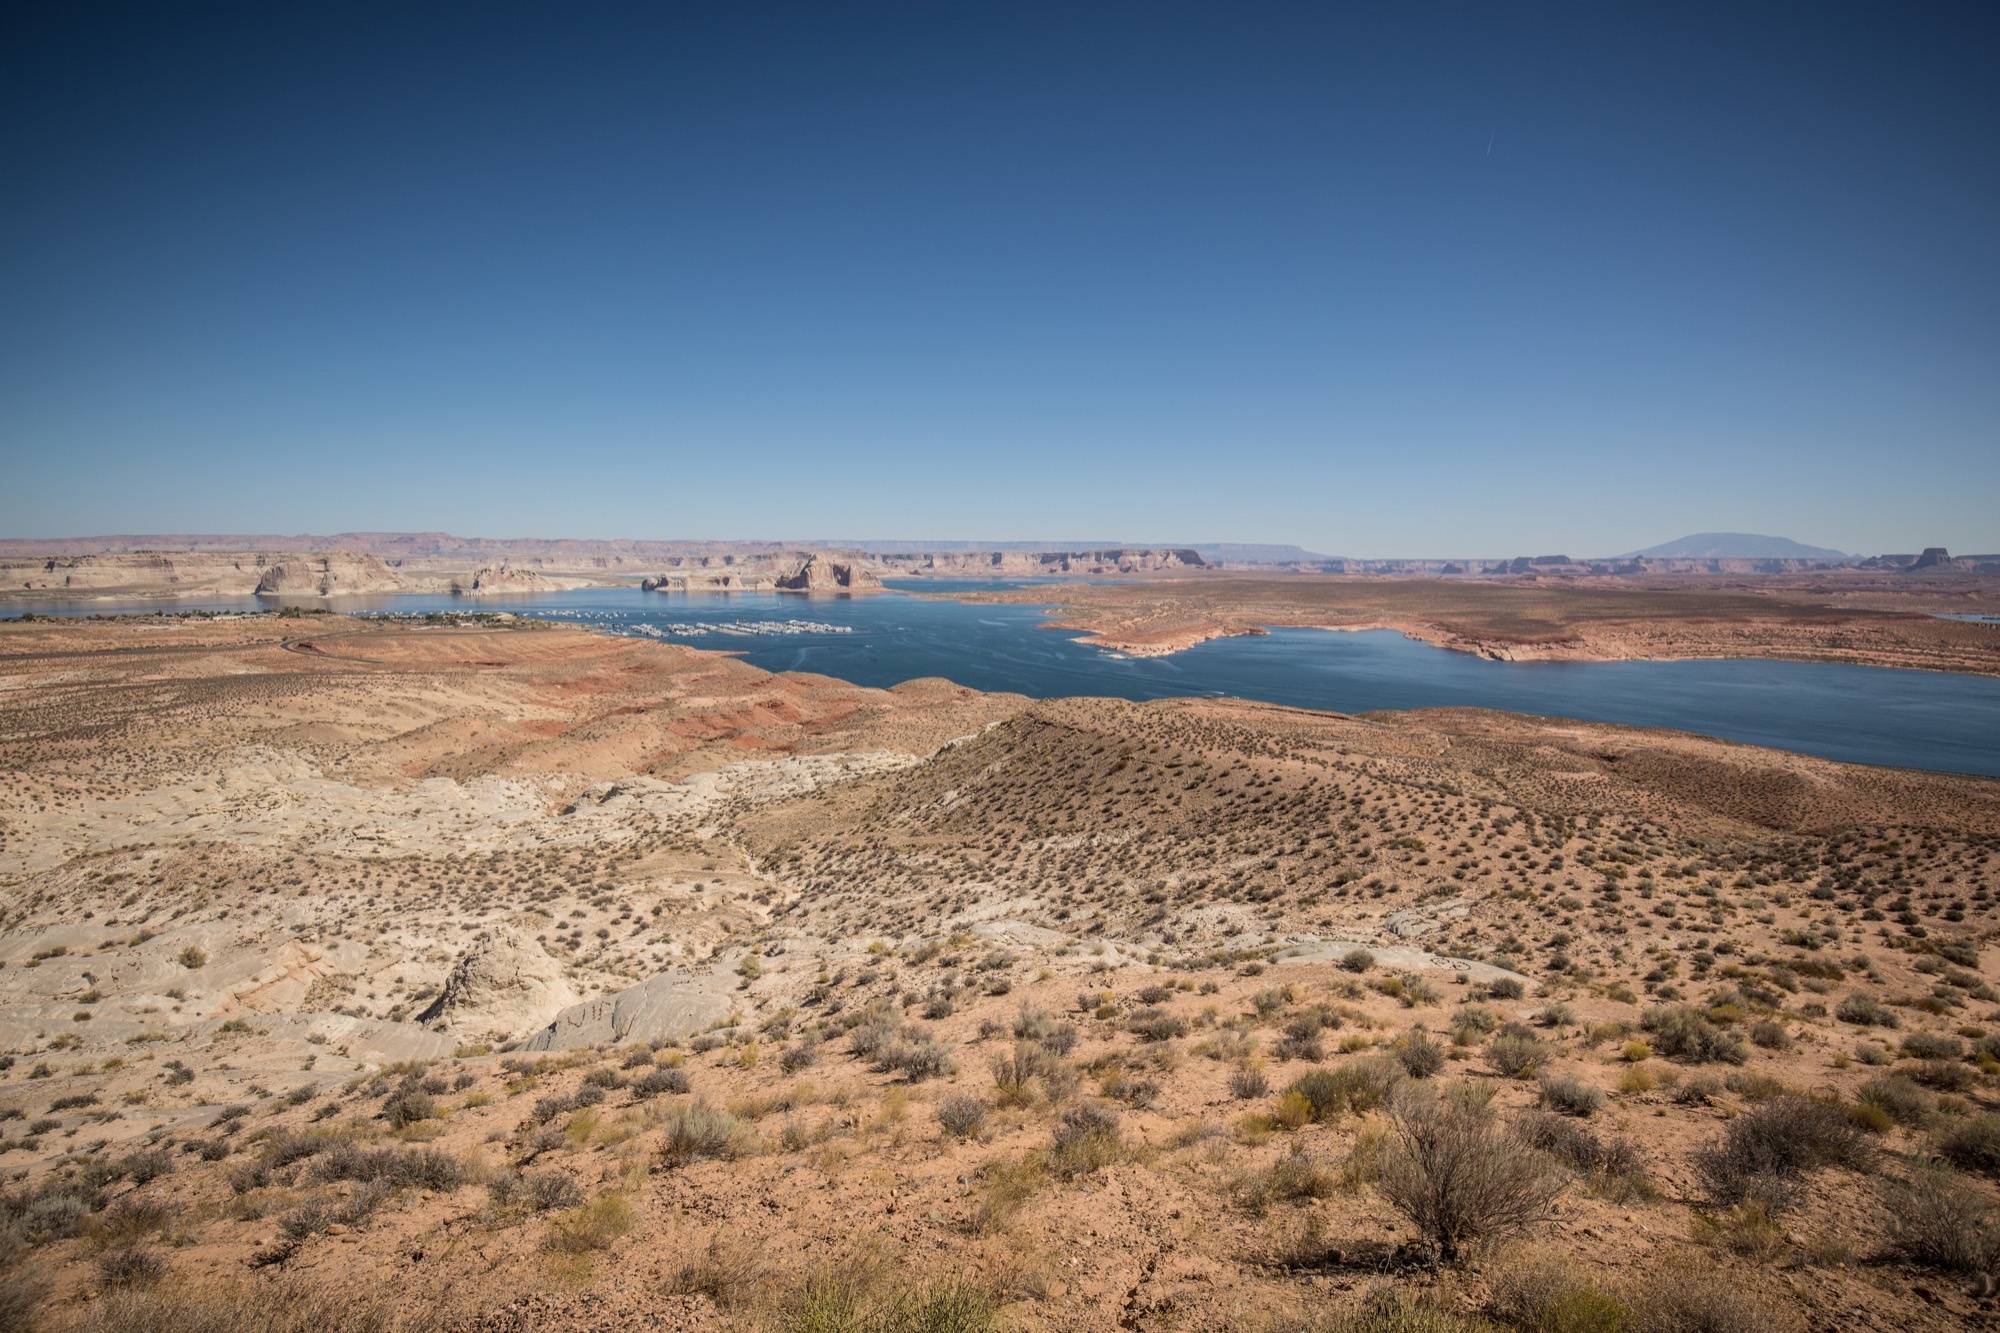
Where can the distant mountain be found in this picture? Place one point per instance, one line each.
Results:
(1736, 546)
(1255, 553)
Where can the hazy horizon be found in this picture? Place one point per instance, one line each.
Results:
(1438, 278)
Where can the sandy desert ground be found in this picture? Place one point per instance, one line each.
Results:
(477, 974)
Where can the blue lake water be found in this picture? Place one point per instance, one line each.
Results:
(1912, 719)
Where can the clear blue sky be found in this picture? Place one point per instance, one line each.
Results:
(1409, 279)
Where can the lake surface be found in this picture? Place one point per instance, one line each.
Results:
(1911, 719)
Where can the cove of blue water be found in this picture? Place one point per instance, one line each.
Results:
(1911, 719)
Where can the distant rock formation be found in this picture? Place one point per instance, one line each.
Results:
(820, 574)
(504, 988)
(672, 1004)
(1934, 557)
(992, 564)
(491, 580)
(329, 575)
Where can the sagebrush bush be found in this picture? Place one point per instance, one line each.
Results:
(1420, 1055)
(695, 1131)
(1516, 1054)
(657, 1080)
(1972, 1144)
(1571, 1096)
(1933, 1046)
(1550, 1295)
(1086, 1138)
(1359, 1086)
(1899, 1099)
(1686, 1295)
(1451, 1171)
(1030, 1074)
(536, 1191)
(129, 1266)
(1682, 1032)
(1248, 1084)
(407, 1168)
(1936, 1220)
(1864, 1010)
(725, 1271)
(1766, 1149)
(963, 1116)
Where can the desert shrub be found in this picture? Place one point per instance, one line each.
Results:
(1615, 1163)
(1451, 1171)
(1248, 1084)
(1359, 1086)
(1556, 1016)
(1938, 1221)
(1420, 1055)
(635, 1058)
(1972, 1144)
(1516, 1054)
(1753, 1086)
(1571, 1096)
(1506, 988)
(1357, 960)
(1944, 1075)
(1087, 1138)
(546, 1109)
(129, 1266)
(1390, 1309)
(1899, 1099)
(868, 1039)
(1682, 1032)
(192, 957)
(851, 1298)
(1548, 1295)
(1030, 1074)
(1771, 1035)
(1687, 1296)
(918, 1060)
(1933, 1046)
(1864, 1010)
(1764, 1150)
(1299, 1174)
(800, 1057)
(57, 1214)
(1156, 1025)
(536, 1191)
(695, 1131)
(148, 1164)
(1032, 1022)
(407, 1168)
(963, 1116)
(657, 1080)
(1698, 1090)
(131, 1219)
(593, 1226)
(1471, 1022)
(302, 1305)
(407, 1108)
(725, 1271)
